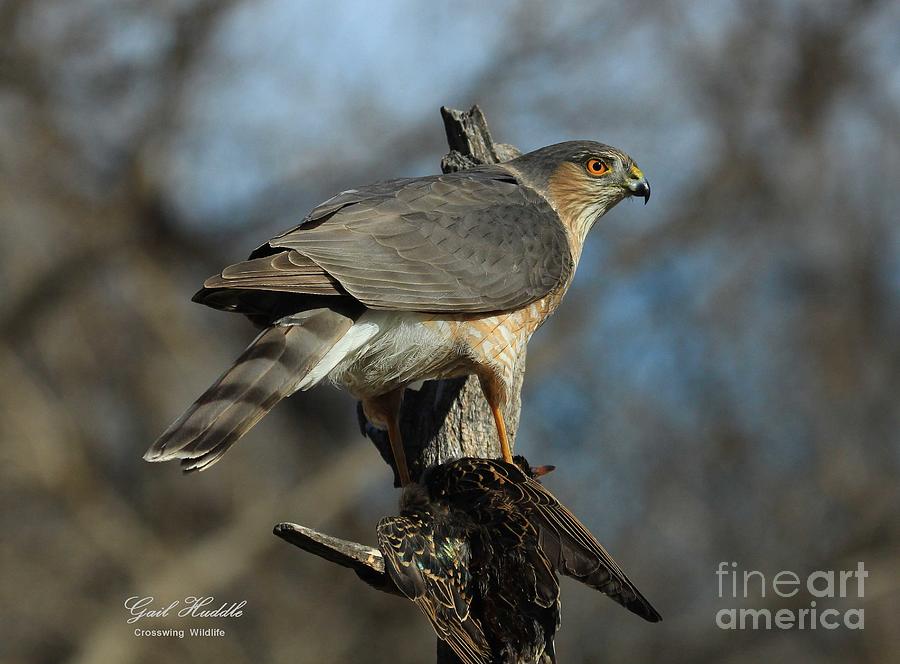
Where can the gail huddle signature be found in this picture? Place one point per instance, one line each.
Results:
(191, 607)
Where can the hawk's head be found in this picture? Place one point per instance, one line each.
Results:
(582, 179)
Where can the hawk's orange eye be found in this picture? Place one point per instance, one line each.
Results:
(596, 167)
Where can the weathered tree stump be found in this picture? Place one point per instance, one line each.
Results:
(443, 420)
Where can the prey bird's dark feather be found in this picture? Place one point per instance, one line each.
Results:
(478, 547)
(570, 546)
(428, 562)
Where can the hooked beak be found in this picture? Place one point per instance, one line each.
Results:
(640, 188)
(638, 185)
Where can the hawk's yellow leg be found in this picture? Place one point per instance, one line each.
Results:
(501, 432)
(493, 392)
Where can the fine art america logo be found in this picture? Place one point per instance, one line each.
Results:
(140, 608)
(786, 594)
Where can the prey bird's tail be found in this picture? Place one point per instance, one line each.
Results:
(269, 369)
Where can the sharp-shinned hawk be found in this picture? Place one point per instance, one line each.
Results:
(406, 280)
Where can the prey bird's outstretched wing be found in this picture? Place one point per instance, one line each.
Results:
(567, 543)
(473, 241)
(432, 571)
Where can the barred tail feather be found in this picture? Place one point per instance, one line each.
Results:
(267, 371)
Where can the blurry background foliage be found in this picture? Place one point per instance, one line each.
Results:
(722, 382)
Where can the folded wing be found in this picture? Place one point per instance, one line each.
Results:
(474, 241)
(432, 572)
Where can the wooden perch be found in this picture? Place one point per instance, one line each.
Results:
(366, 561)
(445, 419)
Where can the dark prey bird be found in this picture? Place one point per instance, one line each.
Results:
(478, 546)
(395, 282)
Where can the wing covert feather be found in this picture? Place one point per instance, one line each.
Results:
(474, 241)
